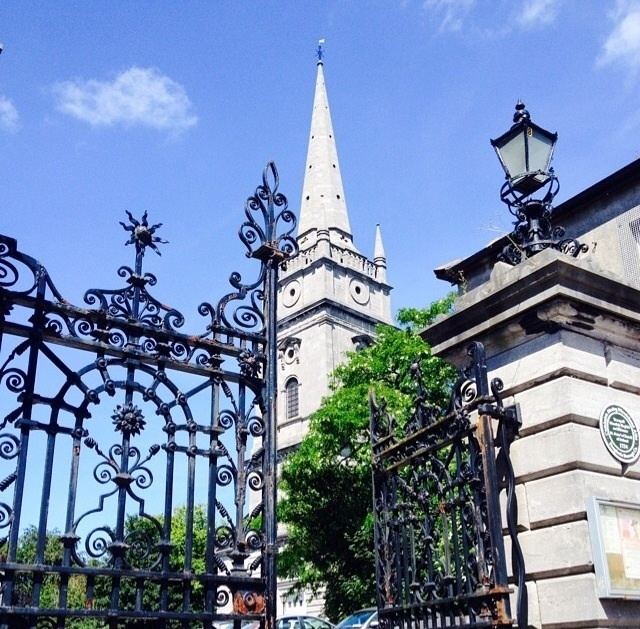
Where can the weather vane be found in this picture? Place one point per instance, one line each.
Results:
(320, 51)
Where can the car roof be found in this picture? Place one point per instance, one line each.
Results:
(300, 616)
(295, 616)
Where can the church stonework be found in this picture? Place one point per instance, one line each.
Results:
(331, 297)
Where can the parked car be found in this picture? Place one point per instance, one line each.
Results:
(245, 624)
(362, 619)
(303, 622)
(228, 624)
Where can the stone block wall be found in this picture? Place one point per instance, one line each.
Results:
(562, 382)
(565, 341)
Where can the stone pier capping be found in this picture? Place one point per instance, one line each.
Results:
(563, 334)
(547, 293)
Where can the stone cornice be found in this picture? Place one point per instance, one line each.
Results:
(548, 292)
(331, 309)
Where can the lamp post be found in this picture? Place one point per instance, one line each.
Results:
(525, 152)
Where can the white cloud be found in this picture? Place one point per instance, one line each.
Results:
(623, 44)
(538, 13)
(137, 96)
(451, 13)
(9, 119)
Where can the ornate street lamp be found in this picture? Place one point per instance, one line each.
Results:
(525, 152)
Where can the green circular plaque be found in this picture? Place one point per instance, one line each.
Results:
(620, 434)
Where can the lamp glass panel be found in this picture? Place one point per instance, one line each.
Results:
(513, 155)
(540, 147)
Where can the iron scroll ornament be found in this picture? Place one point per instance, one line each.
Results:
(130, 403)
(267, 213)
(533, 228)
(439, 551)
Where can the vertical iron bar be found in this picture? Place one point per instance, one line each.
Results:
(455, 539)
(76, 448)
(35, 339)
(190, 506)
(210, 564)
(379, 503)
(377, 534)
(271, 431)
(122, 498)
(492, 491)
(124, 457)
(485, 434)
(392, 483)
(241, 477)
(465, 541)
(168, 509)
(46, 487)
(407, 552)
(44, 504)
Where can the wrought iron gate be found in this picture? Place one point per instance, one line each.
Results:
(137, 463)
(440, 557)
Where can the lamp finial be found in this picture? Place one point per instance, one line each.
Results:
(521, 113)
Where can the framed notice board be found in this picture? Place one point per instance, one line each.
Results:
(615, 539)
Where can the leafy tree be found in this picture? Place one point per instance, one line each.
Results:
(326, 483)
(143, 536)
(50, 585)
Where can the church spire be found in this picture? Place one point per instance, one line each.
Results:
(379, 257)
(323, 206)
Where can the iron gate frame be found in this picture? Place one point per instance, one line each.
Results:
(438, 534)
(129, 329)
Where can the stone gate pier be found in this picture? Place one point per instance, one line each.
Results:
(563, 334)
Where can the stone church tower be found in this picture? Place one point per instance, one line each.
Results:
(331, 296)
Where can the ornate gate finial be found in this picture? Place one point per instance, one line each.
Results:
(143, 235)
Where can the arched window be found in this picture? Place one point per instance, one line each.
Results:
(291, 393)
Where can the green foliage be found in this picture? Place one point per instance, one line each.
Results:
(198, 540)
(50, 586)
(146, 531)
(418, 318)
(142, 535)
(326, 483)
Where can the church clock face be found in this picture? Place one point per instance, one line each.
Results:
(359, 292)
(291, 293)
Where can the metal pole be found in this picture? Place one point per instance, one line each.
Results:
(272, 249)
(271, 448)
(272, 257)
(484, 435)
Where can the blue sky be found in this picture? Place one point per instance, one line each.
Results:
(174, 108)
